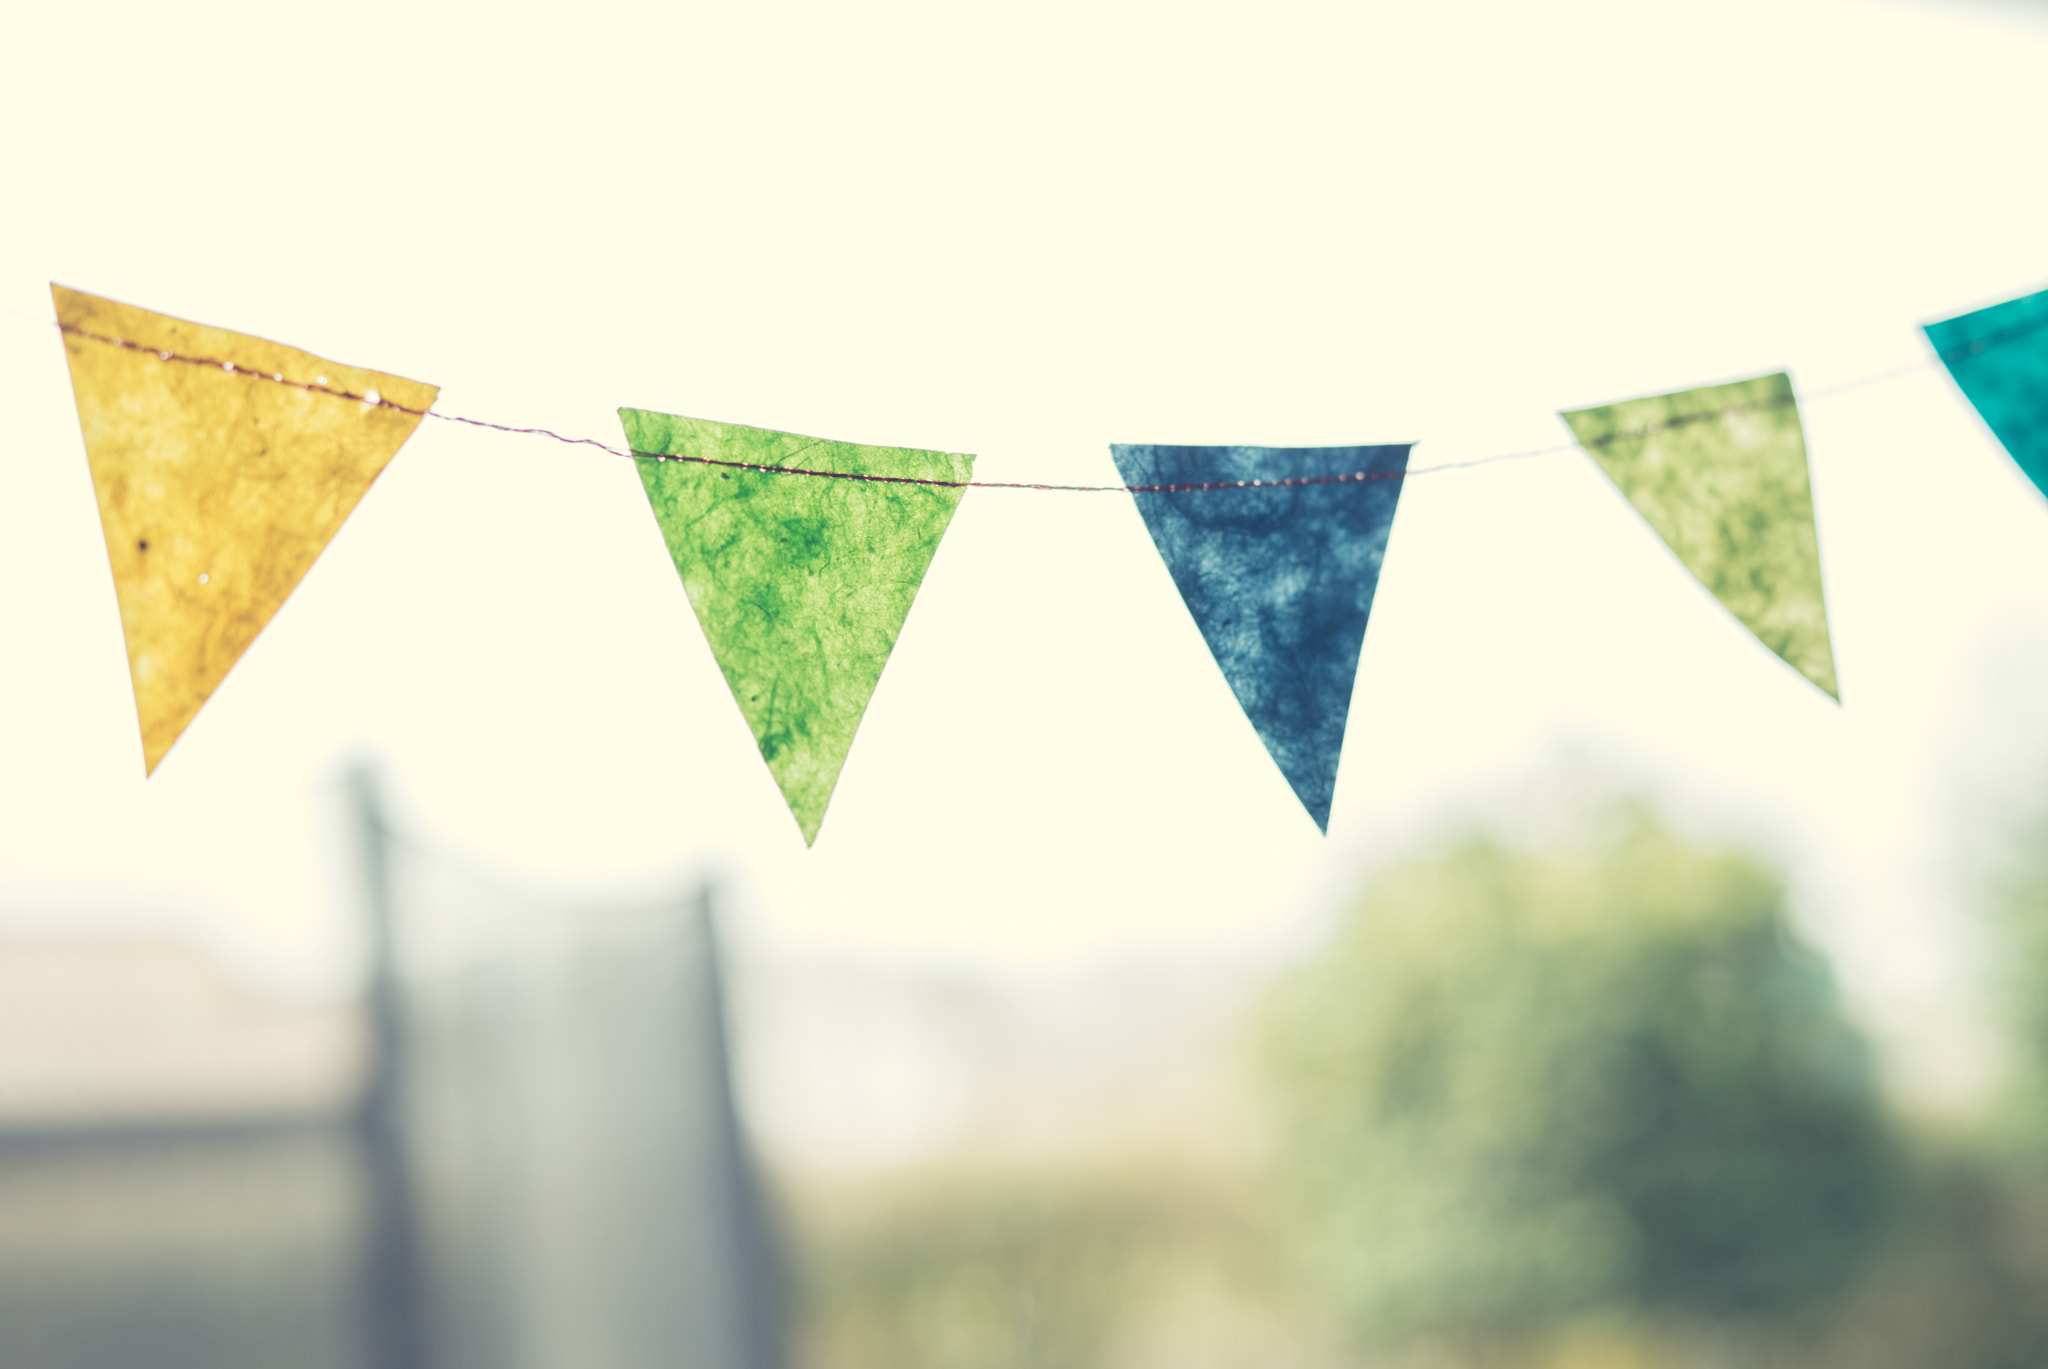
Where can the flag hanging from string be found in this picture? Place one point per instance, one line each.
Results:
(1279, 579)
(801, 582)
(1720, 473)
(223, 465)
(1999, 358)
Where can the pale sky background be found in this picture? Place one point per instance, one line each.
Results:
(1026, 233)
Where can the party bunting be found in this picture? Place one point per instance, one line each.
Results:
(1999, 358)
(801, 582)
(1279, 579)
(223, 464)
(1720, 473)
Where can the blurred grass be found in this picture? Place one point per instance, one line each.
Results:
(1054, 1270)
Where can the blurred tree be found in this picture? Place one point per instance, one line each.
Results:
(1523, 1089)
(2017, 907)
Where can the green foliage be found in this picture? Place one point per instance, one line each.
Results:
(1520, 1089)
(2017, 913)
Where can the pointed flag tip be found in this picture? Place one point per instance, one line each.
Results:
(1318, 812)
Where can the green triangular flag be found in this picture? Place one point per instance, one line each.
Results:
(1720, 473)
(801, 582)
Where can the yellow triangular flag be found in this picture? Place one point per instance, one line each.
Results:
(223, 464)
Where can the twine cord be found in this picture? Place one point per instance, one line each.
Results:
(371, 397)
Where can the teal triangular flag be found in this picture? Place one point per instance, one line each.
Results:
(1999, 358)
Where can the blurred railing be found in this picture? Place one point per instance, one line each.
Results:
(535, 1161)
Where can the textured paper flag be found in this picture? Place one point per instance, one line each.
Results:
(217, 487)
(1280, 581)
(800, 582)
(1720, 473)
(1999, 358)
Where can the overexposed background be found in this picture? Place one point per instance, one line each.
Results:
(1027, 232)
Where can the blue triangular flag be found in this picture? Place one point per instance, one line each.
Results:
(1999, 357)
(1277, 552)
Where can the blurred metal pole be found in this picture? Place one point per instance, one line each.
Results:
(394, 1323)
(759, 1279)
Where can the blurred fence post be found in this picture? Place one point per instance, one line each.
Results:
(394, 1323)
(759, 1291)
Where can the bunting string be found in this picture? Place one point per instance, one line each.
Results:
(372, 397)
